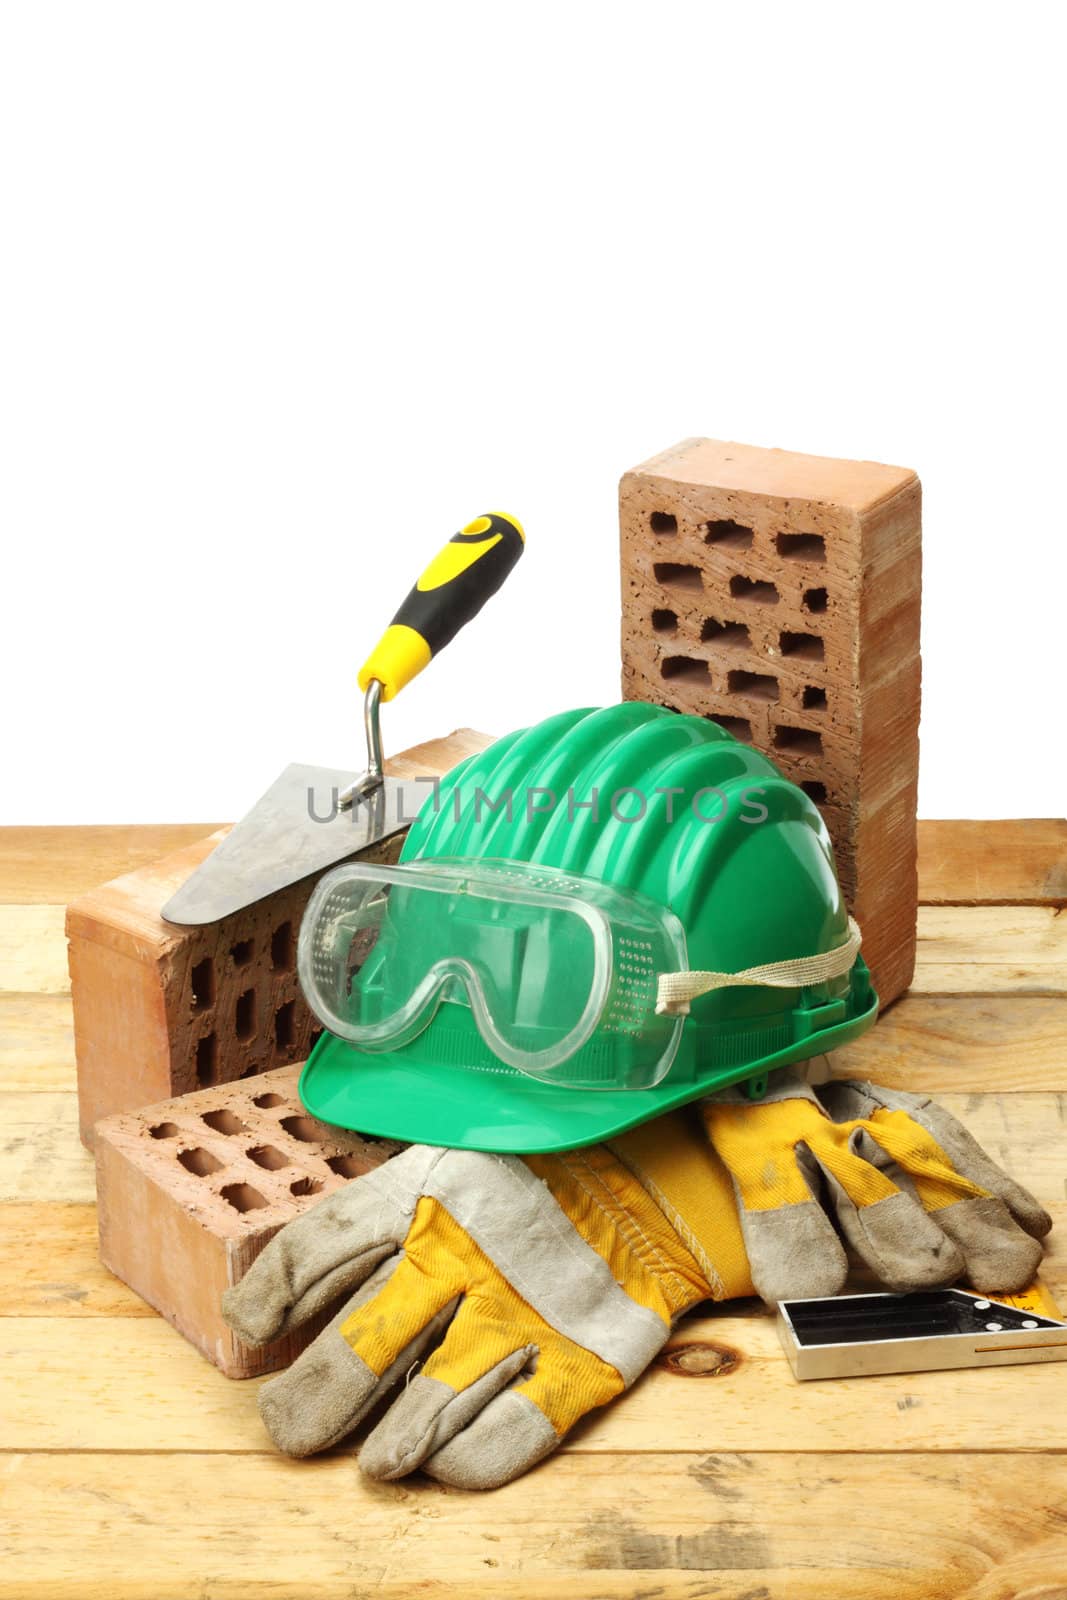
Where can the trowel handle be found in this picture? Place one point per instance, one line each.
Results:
(452, 590)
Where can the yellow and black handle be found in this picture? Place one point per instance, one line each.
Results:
(452, 590)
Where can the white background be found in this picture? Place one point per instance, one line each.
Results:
(292, 291)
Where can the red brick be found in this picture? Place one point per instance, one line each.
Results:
(726, 549)
(190, 1190)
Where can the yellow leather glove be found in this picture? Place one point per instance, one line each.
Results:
(909, 1188)
(507, 1297)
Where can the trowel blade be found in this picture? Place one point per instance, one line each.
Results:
(295, 830)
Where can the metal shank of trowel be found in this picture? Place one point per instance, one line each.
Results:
(372, 779)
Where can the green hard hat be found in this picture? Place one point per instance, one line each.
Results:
(667, 806)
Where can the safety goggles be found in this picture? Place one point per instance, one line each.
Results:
(559, 971)
(568, 979)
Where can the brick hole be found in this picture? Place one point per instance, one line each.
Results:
(285, 1025)
(164, 1130)
(798, 741)
(676, 575)
(265, 1156)
(802, 546)
(815, 600)
(304, 1186)
(281, 947)
(345, 1166)
(242, 1197)
(805, 646)
(813, 699)
(728, 535)
(664, 621)
(207, 1059)
(315, 1036)
(242, 952)
(249, 1072)
(223, 1122)
(758, 685)
(267, 1102)
(815, 790)
(684, 667)
(203, 979)
(731, 635)
(740, 727)
(759, 593)
(244, 1015)
(663, 523)
(200, 1162)
(302, 1128)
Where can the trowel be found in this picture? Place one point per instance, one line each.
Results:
(312, 817)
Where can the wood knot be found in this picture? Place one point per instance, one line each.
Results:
(701, 1360)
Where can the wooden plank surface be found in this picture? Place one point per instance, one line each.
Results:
(653, 1526)
(991, 950)
(36, 1042)
(1021, 863)
(50, 1265)
(109, 1373)
(131, 1468)
(49, 866)
(33, 950)
(954, 1043)
(41, 1154)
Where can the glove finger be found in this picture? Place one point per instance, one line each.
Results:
(507, 1438)
(524, 1424)
(756, 1141)
(325, 1253)
(969, 1158)
(998, 1254)
(885, 1225)
(330, 1388)
(793, 1251)
(851, 1099)
(997, 1251)
(468, 1370)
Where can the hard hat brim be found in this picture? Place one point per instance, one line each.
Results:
(400, 1095)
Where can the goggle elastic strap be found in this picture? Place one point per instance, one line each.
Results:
(676, 989)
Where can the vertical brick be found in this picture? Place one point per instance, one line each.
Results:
(190, 1190)
(779, 594)
(161, 1010)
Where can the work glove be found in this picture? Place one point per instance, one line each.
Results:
(504, 1297)
(911, 1191)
